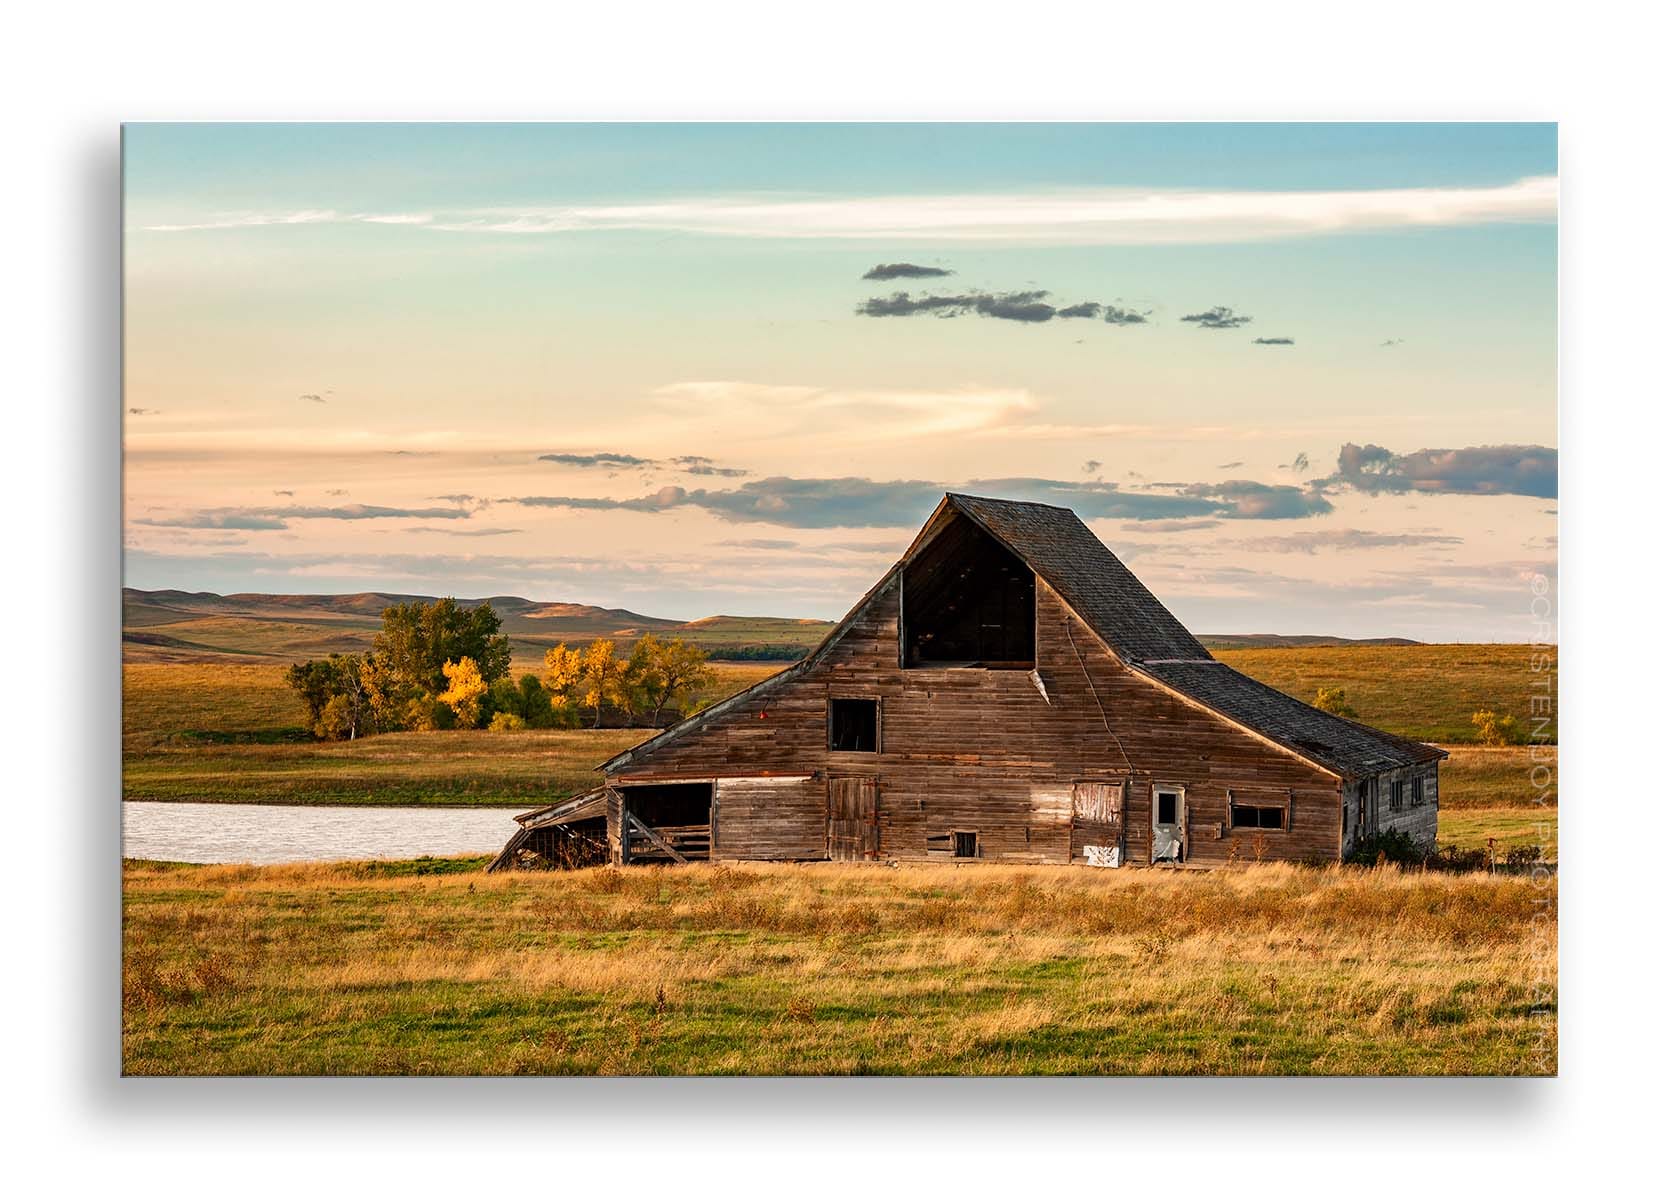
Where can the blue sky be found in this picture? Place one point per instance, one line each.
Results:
(329, 327)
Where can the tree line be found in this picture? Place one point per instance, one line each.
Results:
(440, 665)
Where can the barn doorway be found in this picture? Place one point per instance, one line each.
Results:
(1167, 840)
(854, 819)
(667, 822)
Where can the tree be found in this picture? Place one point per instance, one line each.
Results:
(416, 639)
(1493, 728)
(335, 693)
(466, 692)
(601, 679)
(1334, 700)
(661, 672)
(562, 670)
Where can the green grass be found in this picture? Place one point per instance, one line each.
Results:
(1426, 692)
(1508, 828)
(836, 969)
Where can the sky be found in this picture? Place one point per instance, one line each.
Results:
(1300, 378)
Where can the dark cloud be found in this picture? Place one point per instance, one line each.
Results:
(1229, 465)
(1216, 318)
(1301, 464)
(1274, 341)
(1480, 470)
(277, 517)
(790, 502)
(904, 270)
(312, 398)
(1091, 466)
(142, 411)
(287, 494)
(1029, 307)
(1392, 341)
(595, 459)
(691, 464)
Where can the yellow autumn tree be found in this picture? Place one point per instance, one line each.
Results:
(466, 691)
(562, 668)
(601, 677)
(665, 672)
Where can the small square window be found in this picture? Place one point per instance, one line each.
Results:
(967, 843)
(852, 724)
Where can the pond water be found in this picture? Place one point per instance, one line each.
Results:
(219, 833)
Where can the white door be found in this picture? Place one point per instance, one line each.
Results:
(1167, 839)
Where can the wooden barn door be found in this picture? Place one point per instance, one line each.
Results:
(854, 819)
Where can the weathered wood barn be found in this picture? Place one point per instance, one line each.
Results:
(1008, 692)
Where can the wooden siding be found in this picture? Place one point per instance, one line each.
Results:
(981, 750)
(769, 819)
(1420, 823)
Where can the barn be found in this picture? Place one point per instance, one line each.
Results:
(1009, 691)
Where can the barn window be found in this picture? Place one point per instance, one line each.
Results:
(967, 843)
(1417, 792)
(853, 725)
(968, 601)
(1247, 815)
(1395, 792)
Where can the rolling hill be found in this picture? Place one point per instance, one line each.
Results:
(198, 626)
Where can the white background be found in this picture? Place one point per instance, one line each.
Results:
(73, 72)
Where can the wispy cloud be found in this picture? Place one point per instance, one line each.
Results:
(687, 463)
(312, 398)
(1338, 538)
(1480, 470)
(1082, 216)
(278, 517)
(1274, 341)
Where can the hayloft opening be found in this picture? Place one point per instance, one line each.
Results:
(968, 601)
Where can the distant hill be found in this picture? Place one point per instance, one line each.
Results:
(202, 626)
(1271, 640)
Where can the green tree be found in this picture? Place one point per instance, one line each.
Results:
(416, 639)
(336, 695)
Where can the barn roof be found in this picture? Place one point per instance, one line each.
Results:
(1060, 549)
(1058, 546)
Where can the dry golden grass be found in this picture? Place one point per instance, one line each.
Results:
(837, 969)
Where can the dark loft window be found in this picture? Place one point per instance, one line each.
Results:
(968, 601)
(852, 724)
(1246, 816)
(1417, 792)
(1394, 792)
(968, 843)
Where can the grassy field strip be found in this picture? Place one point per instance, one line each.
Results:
(835, 969)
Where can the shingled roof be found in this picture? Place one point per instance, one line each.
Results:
(1058, 547)
(1067, 555)
(1082, 570)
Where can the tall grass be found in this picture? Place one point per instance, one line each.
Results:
(836, 969)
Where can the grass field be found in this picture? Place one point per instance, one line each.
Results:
(1426, 692)
(835, 969)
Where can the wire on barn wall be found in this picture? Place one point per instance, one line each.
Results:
(1096, 698)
